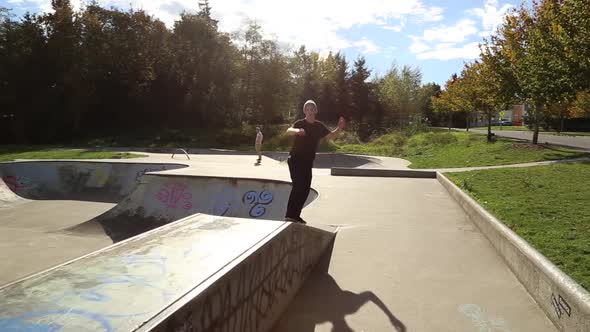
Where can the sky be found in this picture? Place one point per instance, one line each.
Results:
(435, 35)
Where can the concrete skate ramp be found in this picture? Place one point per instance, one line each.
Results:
(159, 199)
(96, 181)
(201, 273)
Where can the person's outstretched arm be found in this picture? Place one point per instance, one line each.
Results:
(295, 131)
(334, 133)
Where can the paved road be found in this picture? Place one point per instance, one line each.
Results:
(582, 142)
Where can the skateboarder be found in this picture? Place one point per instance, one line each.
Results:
(258, 144)
(308, 132)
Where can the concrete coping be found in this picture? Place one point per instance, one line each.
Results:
(92, 161)
(379, 172)
(564, 301)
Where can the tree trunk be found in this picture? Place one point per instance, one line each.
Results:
(467, 120)
(536, 124)
(561, 123)
(489, 127)
(450, 120)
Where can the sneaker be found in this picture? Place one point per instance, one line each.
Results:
(289, 219)
(301, 221)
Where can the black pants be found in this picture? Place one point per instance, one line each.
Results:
(301, 177)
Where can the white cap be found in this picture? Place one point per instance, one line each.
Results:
(310, 102)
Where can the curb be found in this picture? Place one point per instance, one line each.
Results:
(375, 172)
(562, 299)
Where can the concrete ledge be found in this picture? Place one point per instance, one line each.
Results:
(251, 292)
(378, 172)
(563, 300)
(201, 273)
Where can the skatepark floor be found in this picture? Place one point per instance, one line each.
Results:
(406, 257)
(31, 239)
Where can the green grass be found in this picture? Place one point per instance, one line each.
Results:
(457, 149)
(525, 128)
(434, 149)
(545, 205)
(8, 153)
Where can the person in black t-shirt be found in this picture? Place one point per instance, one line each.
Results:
(308, 132)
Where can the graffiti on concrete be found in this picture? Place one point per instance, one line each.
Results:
(91, 307)
(222, 202)
(481, 320)
(99, 177)
(75, 177)
(16, 183)
(560, 305)
(245, 299)
(258, 202)
(141, 173)
(175, 195)
(50, 321)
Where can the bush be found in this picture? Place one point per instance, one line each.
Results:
(440, 139)
(348, 137)
(394, 139)
(280, 142)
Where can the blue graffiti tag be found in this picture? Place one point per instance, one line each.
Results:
(221, 202)
(258, 201)
(48, 320)
(21, 322)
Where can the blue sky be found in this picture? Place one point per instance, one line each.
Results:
(435, 35)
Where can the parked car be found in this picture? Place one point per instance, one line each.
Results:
(506, 123)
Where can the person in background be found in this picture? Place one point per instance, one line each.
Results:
(258, 144)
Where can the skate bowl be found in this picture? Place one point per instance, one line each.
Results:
(146, 196)
(98, 181)
(189, 253)
(200, 273)
(159, 199)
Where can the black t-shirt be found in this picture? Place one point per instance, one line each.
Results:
(305, 147)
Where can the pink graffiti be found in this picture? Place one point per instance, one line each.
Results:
(173, 195)
(15, 183)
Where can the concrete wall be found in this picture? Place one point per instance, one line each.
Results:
(161, 199)
(202, 273)
(76, 180)
(251, 295)
(563, 300)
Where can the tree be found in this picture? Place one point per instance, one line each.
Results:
(573, 27)
(398, 91)
(443, 104)
(205, 70)
(360, 97)
(425, 94)
(533, 45)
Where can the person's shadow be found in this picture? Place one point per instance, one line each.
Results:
(321, 300)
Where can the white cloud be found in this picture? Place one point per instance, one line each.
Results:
(491, 15)
(396, 28)
(366, 46)
(316, 24)
(453, 34)
(433, 14)
(418, 46)
(455, 42)
(447, 51)
(443, 42)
